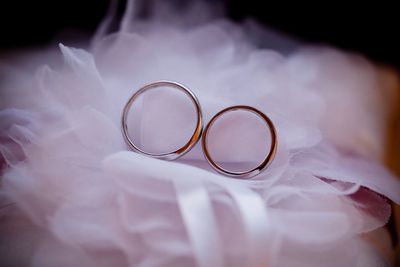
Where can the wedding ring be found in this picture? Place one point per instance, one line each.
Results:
(180, 151)
(248, 173)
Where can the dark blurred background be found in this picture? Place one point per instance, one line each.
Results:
(370, 29)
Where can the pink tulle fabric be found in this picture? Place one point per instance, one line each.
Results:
(83, 199)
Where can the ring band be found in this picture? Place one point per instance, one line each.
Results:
(254, 171)
(180, 151)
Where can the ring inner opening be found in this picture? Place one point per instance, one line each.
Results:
(161, 120)
(239, 140)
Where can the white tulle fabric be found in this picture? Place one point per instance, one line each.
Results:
(99, 204)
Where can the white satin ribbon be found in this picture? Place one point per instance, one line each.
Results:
(200, 222)
(197, 212)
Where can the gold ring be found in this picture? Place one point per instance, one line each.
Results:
(254, 171)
